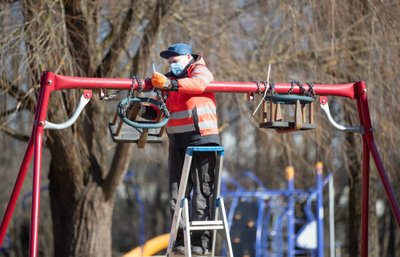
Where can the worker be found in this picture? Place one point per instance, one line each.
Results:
(193, 122)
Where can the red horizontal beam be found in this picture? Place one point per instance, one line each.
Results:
(67, 82)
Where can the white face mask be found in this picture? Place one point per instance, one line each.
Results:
(176, 68)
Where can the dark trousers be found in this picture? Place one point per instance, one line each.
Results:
(199, 190)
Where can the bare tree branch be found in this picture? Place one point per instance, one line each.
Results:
(122, 153)
(111, 58)
(78, 33)
(18, 94)
(15, 134)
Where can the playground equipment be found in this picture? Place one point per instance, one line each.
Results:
(300, 122)
(151, 247)
(50, 82)
(6, 244)
(258, 217)
(263, 221)
(130, 128)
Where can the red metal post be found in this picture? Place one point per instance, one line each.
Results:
(34, 229)
(384, 178)
(364, 187)
(23, 170)
(374, 151)
(365, 199)
(46, 86)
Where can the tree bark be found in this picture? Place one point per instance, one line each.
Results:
(81, 224)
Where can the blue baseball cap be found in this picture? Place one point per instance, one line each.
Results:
(176, 49)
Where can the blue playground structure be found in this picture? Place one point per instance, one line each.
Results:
(6, 244)
(129, 179)
(278, 222)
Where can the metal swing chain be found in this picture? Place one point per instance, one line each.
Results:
(303, 91)
(271, 88)
(311, 91)
(291, 87)
(162, 105)
(135, 78)
(266, 91)
(259, 92)
(301, 87)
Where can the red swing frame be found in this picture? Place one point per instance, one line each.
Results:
(52, 82)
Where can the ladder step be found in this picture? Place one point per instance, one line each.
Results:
(193, 255)
(206, 223)
(214, 227)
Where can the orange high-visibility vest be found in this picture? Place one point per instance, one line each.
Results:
(191, 109)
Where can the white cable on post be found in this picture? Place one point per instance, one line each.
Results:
(265, 90)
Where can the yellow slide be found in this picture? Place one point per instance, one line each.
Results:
(151, 247)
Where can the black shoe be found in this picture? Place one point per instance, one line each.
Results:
(180, 249)
(198, 250)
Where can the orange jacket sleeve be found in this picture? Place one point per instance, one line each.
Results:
(197, 81)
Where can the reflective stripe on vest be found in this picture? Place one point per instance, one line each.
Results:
(180, 129)
(210, 126)
(189, 113)
(183, 121)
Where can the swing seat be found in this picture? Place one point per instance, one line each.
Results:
(129, 134)
(289, 99)
(131, 128)
(283, 125)
(300, 122)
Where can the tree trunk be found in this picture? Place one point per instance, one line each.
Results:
(82, 187)
(82, 226)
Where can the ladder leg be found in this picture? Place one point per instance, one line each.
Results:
(226, 227)
(217, 179)
(178, 206)
(174, 230)
(213, 243)
(214, 238)
(186, 229)
(217, 190)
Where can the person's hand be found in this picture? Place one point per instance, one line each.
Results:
(158, 80)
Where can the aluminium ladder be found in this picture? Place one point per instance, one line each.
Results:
(181, 212)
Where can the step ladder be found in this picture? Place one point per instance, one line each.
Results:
(182, 211)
